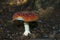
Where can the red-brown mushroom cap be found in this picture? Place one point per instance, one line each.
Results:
(27, 16)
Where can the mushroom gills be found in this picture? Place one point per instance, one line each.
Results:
(19, 19)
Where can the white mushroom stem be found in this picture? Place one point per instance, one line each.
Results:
(27, 30)
(26, 25)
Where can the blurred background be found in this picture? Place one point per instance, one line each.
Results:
(48, 25)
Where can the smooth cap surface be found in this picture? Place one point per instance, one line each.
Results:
(25, 16)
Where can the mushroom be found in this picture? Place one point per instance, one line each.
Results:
(26, 17)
